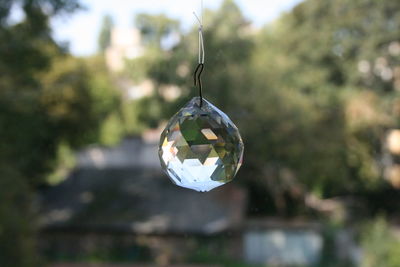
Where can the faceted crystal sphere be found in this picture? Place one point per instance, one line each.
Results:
(200, 148)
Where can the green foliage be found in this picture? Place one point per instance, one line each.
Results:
(132, 114)
(137, 69)
(105, 33)
(380, 246)
(105, 103)
(155, 27)
(49, 103)
(112, 130)
(115, 252)
(214, 251)
(342, 54)
(313, 95)
(83, 105)
(17, 244)
(65, 163)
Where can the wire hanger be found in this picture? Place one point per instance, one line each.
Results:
(200, 67)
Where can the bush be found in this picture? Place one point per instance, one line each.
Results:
(380, 247)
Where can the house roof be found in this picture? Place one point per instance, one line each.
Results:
(137, 199)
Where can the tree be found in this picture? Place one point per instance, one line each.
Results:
(334, 58)
(155, 28)
(105, 33)
(46, 99)
(312, 94)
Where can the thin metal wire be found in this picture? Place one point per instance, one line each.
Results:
(200, 67)
(197, 81)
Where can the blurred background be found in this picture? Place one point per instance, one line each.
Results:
(87, 86)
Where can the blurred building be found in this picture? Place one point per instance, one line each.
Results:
(124, 44)
(118, 201)
(119, 198)
(282, 243)
(127, 44)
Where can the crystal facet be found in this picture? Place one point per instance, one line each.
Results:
(200, 148)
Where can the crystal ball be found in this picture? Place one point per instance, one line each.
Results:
(200, 148)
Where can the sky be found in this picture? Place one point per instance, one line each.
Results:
(82, 28)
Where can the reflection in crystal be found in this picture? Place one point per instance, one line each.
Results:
(209, 134)
(200, 148)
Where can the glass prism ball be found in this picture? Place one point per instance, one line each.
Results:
(200, 147)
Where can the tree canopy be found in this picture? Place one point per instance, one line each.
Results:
(308, 93)
(313, 94)
(105, 33)
(46, 100)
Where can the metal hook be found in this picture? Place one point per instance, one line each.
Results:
(199, 69)
(197, 81)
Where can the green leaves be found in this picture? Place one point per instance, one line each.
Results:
(105, 33)
(314, 86)
(49, 102)
(155, 27)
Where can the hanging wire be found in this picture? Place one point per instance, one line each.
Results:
(197, 81)
(201, 40)
(199, 69)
